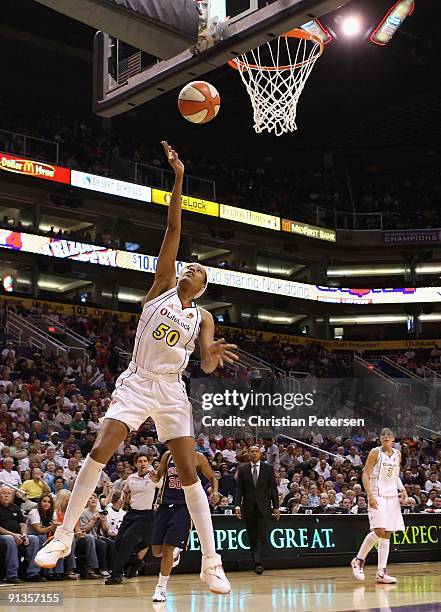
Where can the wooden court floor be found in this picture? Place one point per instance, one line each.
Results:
(319, 589)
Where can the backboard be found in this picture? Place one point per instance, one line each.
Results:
(125, 78)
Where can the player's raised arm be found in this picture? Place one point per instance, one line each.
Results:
(213, 353)
(165, 276)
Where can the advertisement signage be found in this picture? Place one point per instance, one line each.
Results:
(111, 186)
(400, 237)
(250, 217)
(36, 169)
(310, 231)
(320, 539)
(126, 260)
(193, 204)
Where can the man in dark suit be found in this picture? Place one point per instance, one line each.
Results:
(256, 489)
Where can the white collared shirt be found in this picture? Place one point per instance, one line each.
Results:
(141, 489)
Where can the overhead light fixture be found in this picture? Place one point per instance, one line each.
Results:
(351, 26)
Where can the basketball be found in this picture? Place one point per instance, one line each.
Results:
(199, 102)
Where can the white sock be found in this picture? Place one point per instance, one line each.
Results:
(162, 582)
(84, 486)
(383, 553)
(197, 504)
(368, 543)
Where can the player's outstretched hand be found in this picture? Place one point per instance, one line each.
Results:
(223, 352)
(173, 158)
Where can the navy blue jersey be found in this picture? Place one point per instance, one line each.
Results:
(171, 491)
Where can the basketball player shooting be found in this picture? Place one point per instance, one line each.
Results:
(151, 386)
(382, 483)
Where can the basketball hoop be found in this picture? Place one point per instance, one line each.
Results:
(275, 89)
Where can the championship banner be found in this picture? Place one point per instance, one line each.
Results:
(193, 204)
(310, 231)
(111, 186)
(36, 169)
(403, 237)
(250, 217)
(126, 260)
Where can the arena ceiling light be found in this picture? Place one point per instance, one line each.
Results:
(368, 319)
(335, 271)
(351, 26)
(430, 318)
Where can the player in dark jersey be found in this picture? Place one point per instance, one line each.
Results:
(172, 524)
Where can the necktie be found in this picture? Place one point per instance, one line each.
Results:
(255, 475)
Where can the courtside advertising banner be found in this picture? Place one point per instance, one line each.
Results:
(36, 169)
(111, 186)
(139, 262)
(316, 540)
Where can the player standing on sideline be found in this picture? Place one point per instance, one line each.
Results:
(152, 387)
(381, 480)
(172, 524)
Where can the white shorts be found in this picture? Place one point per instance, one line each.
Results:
(140, 394)
(388, 514)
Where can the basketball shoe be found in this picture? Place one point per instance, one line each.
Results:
(213, 574)
(383, 578)
(358, 568)
(160, 594)
(57, 548)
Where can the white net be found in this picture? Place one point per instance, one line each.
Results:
(274, 76)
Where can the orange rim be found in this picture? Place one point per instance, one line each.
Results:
(238, 64)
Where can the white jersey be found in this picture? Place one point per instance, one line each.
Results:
(166, 334)
(385, 475)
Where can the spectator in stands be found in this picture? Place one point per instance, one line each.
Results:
(115, 514)
(14, 535)
(322, 507)
(313, 498)
(83, 550)
(35, 487)
(78, 425)
(436, 505)
(303, 507)
(361, 506)
(118, 473)
(354, 457)
(71, 471)
(59, 484)
(149, 444)
(42, 523)
(94, 521)
(8, 475)
(272, 453)
(432, 482)
(323, 469)
(22, 401)
(229, 453)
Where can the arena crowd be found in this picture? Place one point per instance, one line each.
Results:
(50, 413)
(320, 196)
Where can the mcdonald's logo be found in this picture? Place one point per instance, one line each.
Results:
(36, 169)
